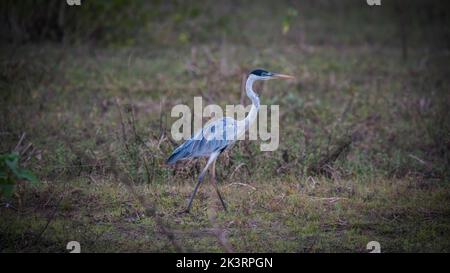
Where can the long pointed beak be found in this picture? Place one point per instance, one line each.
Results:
(283, 76)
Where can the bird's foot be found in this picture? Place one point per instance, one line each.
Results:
(224, 207)
(183, 212)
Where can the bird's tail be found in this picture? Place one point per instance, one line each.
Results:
(174, 157)
(183, 151)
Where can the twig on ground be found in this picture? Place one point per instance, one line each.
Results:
(418, 159)
(321, 166)
(313, 181)
(22, 137)
(241, 184)
(238, 167)
(330, 200)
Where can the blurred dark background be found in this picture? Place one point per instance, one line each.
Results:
(86, 93)
(159, 23)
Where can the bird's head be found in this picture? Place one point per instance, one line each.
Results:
(260, 74)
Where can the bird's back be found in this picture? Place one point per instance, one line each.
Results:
(215, 136)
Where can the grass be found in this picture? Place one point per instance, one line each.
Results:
(94, 111)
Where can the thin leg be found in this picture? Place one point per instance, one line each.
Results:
(214, 181)
(200, 180)
(211, 159)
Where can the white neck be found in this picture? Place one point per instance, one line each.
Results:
(251, 117)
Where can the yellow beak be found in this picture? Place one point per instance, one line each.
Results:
(283, 76)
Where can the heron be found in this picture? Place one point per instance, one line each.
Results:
(219, 135)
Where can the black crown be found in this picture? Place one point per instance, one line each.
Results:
(261, 73)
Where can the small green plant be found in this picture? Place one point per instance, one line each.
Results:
(288, 18)
(11, 172)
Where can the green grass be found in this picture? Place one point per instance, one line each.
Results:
(75, 103)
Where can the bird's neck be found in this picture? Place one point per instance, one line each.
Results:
(251, 117)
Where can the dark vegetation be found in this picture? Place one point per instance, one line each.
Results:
(86, 94)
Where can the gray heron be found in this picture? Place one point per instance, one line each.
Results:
(219, 135)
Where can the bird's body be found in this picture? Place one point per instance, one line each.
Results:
(221, 134)
(215, 137)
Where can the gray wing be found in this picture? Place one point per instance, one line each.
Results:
(216, 136)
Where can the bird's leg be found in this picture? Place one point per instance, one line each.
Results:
(200, 180)
(214, 181)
